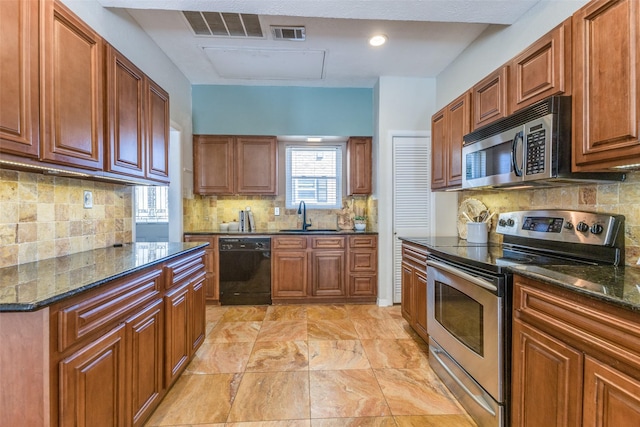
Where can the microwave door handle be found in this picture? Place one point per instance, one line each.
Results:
(517, 169)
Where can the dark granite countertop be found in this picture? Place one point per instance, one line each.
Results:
(616, 285)
(34, 285)
(311, 232)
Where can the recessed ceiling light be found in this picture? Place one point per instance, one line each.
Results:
(314, 139)
(378, 40)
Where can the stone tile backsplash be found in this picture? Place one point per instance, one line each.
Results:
(622, 198)
(206, 213)
(42, 216)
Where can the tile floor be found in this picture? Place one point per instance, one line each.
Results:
(312, 365)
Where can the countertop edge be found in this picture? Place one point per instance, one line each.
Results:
(29, 307)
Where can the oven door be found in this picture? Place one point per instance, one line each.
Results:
(465, 318)
(495, 160)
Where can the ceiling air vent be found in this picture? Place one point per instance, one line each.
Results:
(288, 33)
(221, 24)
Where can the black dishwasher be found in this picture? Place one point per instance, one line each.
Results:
(245, 270)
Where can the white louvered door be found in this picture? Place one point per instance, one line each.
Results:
(411, 197)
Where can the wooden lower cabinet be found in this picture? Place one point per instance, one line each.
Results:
(327, 273)
(414, 287)
(552, 373)
(576, 360)
(407, 302)
(144, 335)
(289, 274)
(92, 383)
(211, 263)
(177, 345)
(324, 269)
(611, 398)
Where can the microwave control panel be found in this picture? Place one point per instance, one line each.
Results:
(536, 147)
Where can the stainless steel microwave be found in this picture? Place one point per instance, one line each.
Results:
(532, 147)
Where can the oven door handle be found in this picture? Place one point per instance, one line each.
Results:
(457, 272)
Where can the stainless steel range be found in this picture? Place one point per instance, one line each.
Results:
(469, 297)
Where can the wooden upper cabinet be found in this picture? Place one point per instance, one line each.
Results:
(606, 98)
(157, 115)
(19, 103)
(490, 98)
(438, 151)
(213, 164)
(542, 70)
(359, 165)
(71, 82)
(125, 116)
(256, 165)
(448, 127)
(235, 165)
(459, 124)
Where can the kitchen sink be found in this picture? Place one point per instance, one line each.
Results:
(312, 230)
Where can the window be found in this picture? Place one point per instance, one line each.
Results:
(314, 174)
(152, 204)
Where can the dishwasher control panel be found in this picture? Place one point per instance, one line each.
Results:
(244, 244)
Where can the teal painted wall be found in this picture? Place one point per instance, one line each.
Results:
(280, 110)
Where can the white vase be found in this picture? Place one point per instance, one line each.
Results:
(360, 226)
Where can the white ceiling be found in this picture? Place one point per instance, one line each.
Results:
(424, 37)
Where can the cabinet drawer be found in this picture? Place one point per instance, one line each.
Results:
(363, 241)
(414, 254)
(289, 242)
(363, 261)
(106, 307)
(184, 269)
(327, 242)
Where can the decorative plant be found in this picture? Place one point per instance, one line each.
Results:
(360, 218)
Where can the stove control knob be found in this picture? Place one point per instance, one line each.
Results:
(510, 222)
(582, 227)
(597, 229)
(568, 226)
(502, 222)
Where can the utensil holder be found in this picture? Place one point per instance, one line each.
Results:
(477, 232)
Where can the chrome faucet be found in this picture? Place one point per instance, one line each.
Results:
(302, 210)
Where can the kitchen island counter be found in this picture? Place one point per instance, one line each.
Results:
(34, 285)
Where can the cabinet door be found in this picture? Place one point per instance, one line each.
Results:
(92, 383)
(256, 165)
(606, 99)
(157, 115)
(213, 164)
(125, 125)
(289, 274)
(359, 165)
(178, 341)
(543, 69)
(197, 314)
(458, 125)
(490, 98)
(363, 285)
(420, 293)
(19, 103)
(144, 361)
(611, 398)
(71, 80)
(438, 150)
(546, 380)
(327, 273)
(407, 303)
